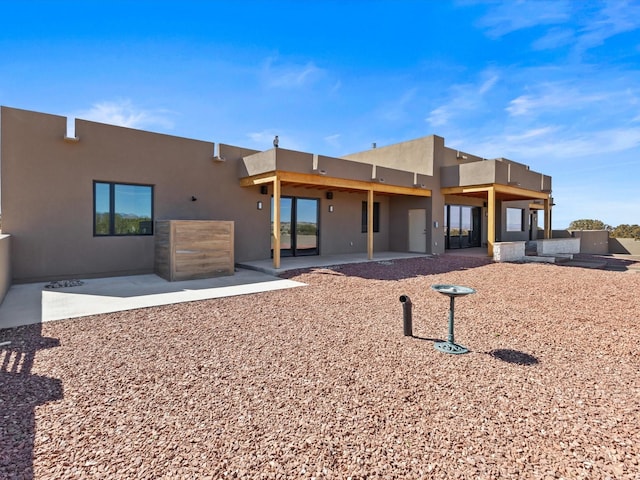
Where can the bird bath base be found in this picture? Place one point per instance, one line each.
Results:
(454, 348)
(451, 291)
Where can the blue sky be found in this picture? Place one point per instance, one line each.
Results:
(552, 84)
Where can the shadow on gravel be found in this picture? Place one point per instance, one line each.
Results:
(434, 340)
(20, 393)
(397, 269)
(514, 356)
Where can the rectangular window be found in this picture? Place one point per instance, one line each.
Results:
(515, 220)
(376, 217)
(122, 209)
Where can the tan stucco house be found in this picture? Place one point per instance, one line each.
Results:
(88, 204)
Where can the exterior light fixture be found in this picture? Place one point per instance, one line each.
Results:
(330, 208)
(259, 205)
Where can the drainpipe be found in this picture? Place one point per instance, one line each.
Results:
(406, 310)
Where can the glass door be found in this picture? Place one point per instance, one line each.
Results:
(298, 226)
(462, 226)
(306, 226)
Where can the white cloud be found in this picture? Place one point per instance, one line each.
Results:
(396, 111)
(439, 116)
(554, 142)
(594, 22)
(559, 99)
(291, 75)
(124, 113)
(464, 98)
(333, 140)
(488, 84)
(508, 17)
(616, 17)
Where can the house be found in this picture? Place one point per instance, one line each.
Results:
(86, 203)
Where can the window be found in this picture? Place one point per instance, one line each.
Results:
(376, 217)
(515, 220)
(122, 209)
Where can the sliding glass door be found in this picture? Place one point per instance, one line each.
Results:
(298, 226)
(462, 226)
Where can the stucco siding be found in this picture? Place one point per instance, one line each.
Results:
(48, 204)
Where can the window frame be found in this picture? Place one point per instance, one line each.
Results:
(376, 217)
(522, 219)
(112, 213)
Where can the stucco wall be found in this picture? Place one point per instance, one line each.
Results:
(48, 201)
(625, 246)
(413, 156)
(5, 265)
(595, 242)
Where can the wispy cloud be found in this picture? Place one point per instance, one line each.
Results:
(463, 98)
(556, 142)
(508, 17)
(553, 97)
(333, 140)
(289, 75)
(396, 110)
(124, 113)
(615, 18)
(591, 23)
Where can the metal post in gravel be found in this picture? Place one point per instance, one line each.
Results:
(406, 310)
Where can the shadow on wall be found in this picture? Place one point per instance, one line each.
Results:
(20, 393)
(624, 246)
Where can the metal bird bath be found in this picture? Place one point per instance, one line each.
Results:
(452, 291)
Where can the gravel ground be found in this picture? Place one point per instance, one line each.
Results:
(319, 381)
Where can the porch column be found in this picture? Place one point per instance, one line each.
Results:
(370, 224)
(276, 223)
(491, 220)
(547, 218)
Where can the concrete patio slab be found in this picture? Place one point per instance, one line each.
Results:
(33, 303)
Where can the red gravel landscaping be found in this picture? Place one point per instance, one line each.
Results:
(320, 382)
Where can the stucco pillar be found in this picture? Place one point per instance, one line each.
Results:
(491, 220)
(276, 223)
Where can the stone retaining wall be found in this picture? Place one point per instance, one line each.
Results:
(552, 246)
(508, 251)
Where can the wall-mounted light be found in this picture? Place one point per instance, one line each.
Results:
(329, 195)
(259, 205)
(330, 208)
(264, 189)
(193, 199)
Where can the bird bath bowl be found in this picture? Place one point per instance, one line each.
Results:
(451, 291)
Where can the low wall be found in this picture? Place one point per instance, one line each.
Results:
(625, 246)
(552, 246)
(508, 251)
(594, 242)
(5, 265)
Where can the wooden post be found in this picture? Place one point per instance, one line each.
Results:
(491, 220)
(547, 218)
(276, 223)
(370, 224)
